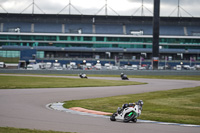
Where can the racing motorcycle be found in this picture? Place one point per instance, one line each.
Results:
(123, 76)
(128, 112)
(82, 75)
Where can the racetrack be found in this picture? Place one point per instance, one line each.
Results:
(26, 108)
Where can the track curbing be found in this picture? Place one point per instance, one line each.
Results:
(59, 107)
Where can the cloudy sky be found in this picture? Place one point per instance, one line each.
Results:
(187, 8)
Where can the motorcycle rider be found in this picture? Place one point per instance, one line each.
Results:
(119, 110)
(128, 112)
(123, 76)
(140, 103)
(82, 75)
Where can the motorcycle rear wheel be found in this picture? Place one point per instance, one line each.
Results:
(128, 118)
(134, 120)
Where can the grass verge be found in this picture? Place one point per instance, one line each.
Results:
(13, 82)
(22, 130)
(179, 105)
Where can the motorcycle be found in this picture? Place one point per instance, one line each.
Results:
(82, 75)
(124, 77)
(129, 112)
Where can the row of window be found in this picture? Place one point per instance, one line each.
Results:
(99, 39)
(12, 54)
(16, 54)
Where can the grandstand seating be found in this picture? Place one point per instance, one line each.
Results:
(47, 27)
(100, 28)
(74, 27)
(147, 29)
(11, 26)
(86, 28)
(172, 30)
(109, 29)
(191, 30)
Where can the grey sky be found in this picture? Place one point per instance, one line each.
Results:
(91, 7)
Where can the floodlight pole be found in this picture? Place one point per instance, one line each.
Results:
(156, 29)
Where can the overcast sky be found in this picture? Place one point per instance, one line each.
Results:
(92, 7)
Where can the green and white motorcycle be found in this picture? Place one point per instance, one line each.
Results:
(128, 112)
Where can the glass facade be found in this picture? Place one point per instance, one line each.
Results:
(97, 41)
(9, 54)
(16, 54)
(40, 54)
(55, 45)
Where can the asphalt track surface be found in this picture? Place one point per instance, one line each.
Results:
(26, 108)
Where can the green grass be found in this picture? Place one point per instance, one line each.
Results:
(13, 82)
(22, 130)
(179, 105)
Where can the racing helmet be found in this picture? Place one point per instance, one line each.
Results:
(125, 106)
(140, 102)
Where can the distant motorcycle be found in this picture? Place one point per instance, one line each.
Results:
(82, 75)
(124, 77)
(129, 112)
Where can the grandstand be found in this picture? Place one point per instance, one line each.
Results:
(98, 37)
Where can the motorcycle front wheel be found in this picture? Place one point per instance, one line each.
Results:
(128, 117)
(112, 117)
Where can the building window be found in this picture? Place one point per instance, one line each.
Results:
(10, 54)
(40, 54)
